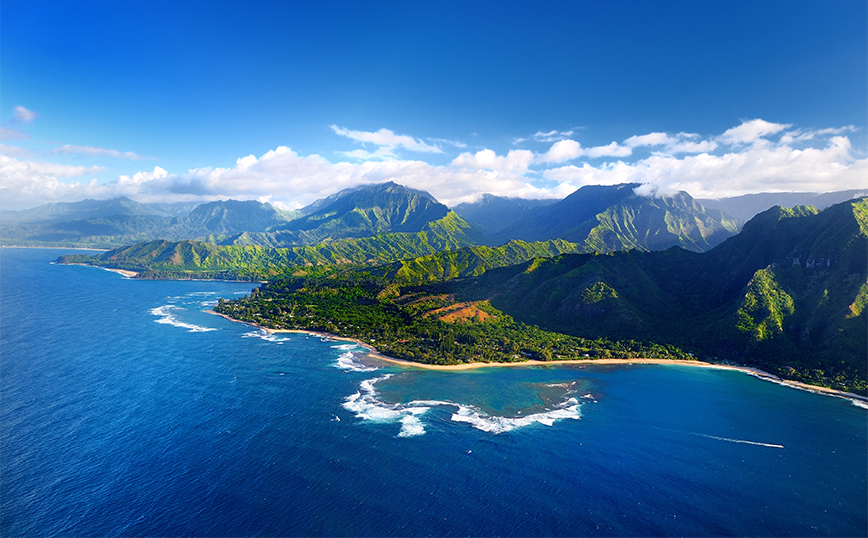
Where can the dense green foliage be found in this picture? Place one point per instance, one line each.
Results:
(418, 323)
(787, 294)
(193, 259)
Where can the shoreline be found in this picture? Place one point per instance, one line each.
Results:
(374, 354)
(125, 272)
(57, 248)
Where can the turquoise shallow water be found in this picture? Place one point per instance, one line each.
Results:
(126, 410)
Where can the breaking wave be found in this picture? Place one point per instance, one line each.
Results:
(481, 421)
(265, 335)
(367, 406)
(167, 318)
(347, 362)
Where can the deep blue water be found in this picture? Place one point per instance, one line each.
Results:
(126, 410)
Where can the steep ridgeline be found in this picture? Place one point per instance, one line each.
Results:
(493, 214)
(108, 223)
(229, 217)
(353, 213)
(747, 206)
(606, 219)
(787, 294)
(195, 259)
(87, 209)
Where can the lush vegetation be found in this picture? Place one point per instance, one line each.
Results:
(418, 323)
(787, 295)
(606, 219)
(195, 259)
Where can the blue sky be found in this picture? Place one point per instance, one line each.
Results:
(287, 102)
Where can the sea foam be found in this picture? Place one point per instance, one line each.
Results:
(481, 421)
(347, 362)
(167, 318)
(265, 335)
(367, 406)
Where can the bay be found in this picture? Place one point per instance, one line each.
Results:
(127, 410)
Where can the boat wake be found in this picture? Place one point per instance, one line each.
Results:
(742, 441)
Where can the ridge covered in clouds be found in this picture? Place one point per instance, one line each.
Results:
(754, 156)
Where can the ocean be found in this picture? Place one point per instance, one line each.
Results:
(127, 410)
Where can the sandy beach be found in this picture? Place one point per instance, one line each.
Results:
(126, 273)
(373, 354)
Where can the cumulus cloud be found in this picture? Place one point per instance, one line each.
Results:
(517, 160)
(787, 159)
(751, 131)
(24, 182)
(96, 152)
(22, 115)
(678, 143)
(611, 150)
(759, 168)
(387, 139)
(563, 150)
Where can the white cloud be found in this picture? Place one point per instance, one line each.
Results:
(679, 143)
(7, 133)
(563, 150)
(611, 150)
(22, 115)
(14, 151)
(751, 131)
(823, 161)
(388, 139)
(96, 152)
(760, 168)
(517, 160)
(28, 183)
(549, 136)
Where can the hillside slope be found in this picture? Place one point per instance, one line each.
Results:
(787, 293)
(607, 219)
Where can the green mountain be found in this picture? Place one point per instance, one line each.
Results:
(493, 214)
(362, 212)
(228, 217)
(787, 294)
(747, 206)
(109, 223)
(607, 219)
(196, 259)
(85, 209)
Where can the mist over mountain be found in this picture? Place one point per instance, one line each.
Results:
(492, 214)
(613, 218)
(745, 207)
